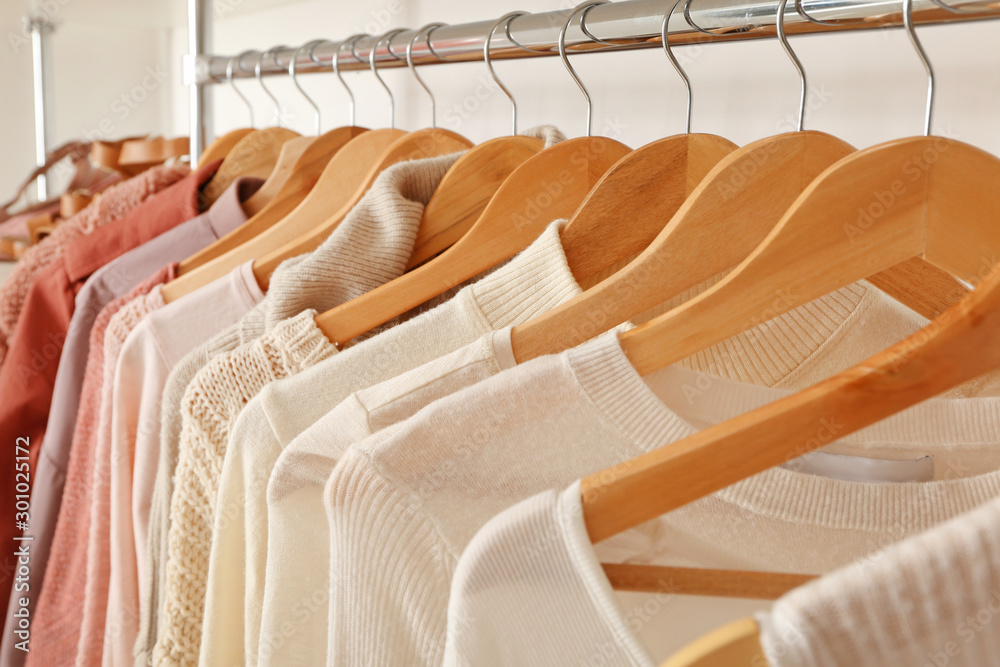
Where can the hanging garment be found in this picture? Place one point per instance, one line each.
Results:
(58, 601)
(533, 282)
(106, 284)
(931, 599)
(28, 374)
(117, 201)
(419, 494)
(370, 247)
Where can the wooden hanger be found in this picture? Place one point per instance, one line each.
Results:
(503, 230)
(254, 155)
(425, 143)
(219, 149)
(341, 178)
(145, 153)
(288, 157)
(412, 146)
(467, 187)
(722, 220)
(927, 197)
(314, 176)
(735, 644)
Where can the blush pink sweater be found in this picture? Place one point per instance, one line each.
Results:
(58, 616)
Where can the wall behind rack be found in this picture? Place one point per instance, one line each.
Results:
(865, 87)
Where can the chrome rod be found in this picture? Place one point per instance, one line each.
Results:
(625, 25)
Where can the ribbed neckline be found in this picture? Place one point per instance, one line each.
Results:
(536, 280)
(631, 404)
(569, 518)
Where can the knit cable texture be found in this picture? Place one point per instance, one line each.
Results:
(210, 406)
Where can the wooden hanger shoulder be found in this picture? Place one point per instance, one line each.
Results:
(413, 146)
(466, 189)
(148, 152)
(725, 217)
(304, 176)
(254, 155)
(546, 187)
(220, 148)
(735, 644)
(922, 197)
(288, 156)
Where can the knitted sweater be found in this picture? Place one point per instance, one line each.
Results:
(369, 248)
(210, 406)
(931, 599)
(115, 202)
(408, 499)
(58, 614)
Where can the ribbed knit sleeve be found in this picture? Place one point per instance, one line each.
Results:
(385, 584)
(113, 203)
(209, 409)
(58, 615)
(931, 599)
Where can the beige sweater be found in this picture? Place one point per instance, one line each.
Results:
(369, 248)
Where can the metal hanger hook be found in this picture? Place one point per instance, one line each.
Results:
(387, 37)
(665, 36)
(911, 31)
(488, 57)
(580, 9)
(229, 78)
(266, 54)
(426, 30)
(335, 63)
(780, 25)
(311, 46)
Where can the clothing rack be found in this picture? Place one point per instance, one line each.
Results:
(618, 26)
(40, 27)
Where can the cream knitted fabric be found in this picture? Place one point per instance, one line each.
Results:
(408, 499)
(210, 406)
(112, 204)
(932, 599)
(369, 248)
(534, 281)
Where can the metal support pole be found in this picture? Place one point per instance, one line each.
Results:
(40, 28)
(618, 26)
(199, 42)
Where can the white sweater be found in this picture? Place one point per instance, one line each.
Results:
(408, 499)
(533, 282)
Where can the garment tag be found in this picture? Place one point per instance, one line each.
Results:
(864, 469)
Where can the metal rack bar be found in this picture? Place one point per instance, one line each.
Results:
(626, 25)
(620, 26)
(40, 28)
(199, 41)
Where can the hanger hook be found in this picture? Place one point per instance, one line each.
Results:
(311, 46)
(584, 8)
(911, 31)
(665, 36)
(780, 25)
(371, 63)
(260, 59)
(229, 78)
(426, 30)
(336, 70)
(488, 57)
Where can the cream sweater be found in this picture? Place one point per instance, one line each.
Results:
(533, 282)
(408, 499)
(370, 247)
(931, 599)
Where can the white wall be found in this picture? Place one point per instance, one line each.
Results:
(110, 64)
(866, 87)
